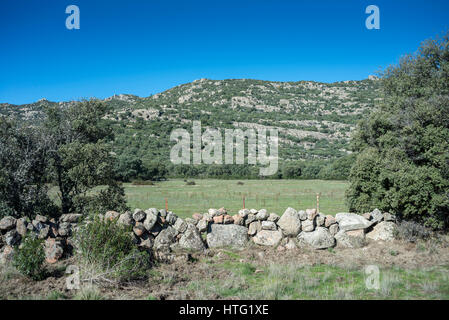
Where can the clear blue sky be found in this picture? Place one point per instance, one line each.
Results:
(144, 47)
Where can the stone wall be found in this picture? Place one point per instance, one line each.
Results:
(163, 232)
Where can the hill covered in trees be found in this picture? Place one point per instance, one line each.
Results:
(315, 122)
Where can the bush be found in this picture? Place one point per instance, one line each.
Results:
(190, 183)
(29, 258)
(411, 231)
(6, 210)
(106, 252)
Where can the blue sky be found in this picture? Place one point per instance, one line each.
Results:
(144, 47)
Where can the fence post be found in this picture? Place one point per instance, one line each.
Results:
(243, 202)
(166, 204)
(317, 203)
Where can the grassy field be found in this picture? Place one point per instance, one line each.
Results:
(273, 195)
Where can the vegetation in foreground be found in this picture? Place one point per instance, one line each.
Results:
(406, 271)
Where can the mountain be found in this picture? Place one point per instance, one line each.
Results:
(315, 120)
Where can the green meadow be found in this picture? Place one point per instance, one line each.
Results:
(273, 195)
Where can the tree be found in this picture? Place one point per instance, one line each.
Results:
(403, 148)
(23, 169)
(80, 156)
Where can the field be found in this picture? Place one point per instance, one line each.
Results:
(273, 195)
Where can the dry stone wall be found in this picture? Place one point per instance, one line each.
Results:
(163, 231)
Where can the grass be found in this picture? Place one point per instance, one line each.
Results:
(290, 281)
(273, 195)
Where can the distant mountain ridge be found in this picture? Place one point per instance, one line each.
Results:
(314, 119)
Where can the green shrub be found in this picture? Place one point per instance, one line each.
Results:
(6, 210)
(402, 164)
(29, 258)
(106, 252)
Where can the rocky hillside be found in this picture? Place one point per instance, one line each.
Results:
(315, 120)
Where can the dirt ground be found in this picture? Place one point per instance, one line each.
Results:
(166, 279)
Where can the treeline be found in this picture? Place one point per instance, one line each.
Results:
(131, 168)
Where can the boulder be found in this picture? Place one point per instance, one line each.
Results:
(191, 239)
(351, 238)
(227, 219)
(125, 219)
(180, 225)
(213, 212)
(311, 214)
(191, 221)
(302, 215)
(376, 216)
(44, 232)
(382, 231)
(162, 213)
(320, 218)
(12, 238)
(139, 229)
(111, 215)
(262, 215)
(139, 215)
(389, 217)
(268, 237)
(243, 213)
(53, 250)
(290, 245)
(318, 239)
(254, 227)
(171, 218)
(253, 211)
(222, 211)
(351, 221)
(249, 219)
(218, 219)
(70, 217)
(308, 225)
(150, 220)
(7, 223)
(333, 229)
(223, 235)
(146, 241)
(164, 239)
(269, 225)
(197, 216)
(290, 223)
(6, 254)
(273, 217)
(202, 225)
(238, 219)
(329, 220)
(21, 226)
(41, 218)
(367, 215)
(65, 229)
